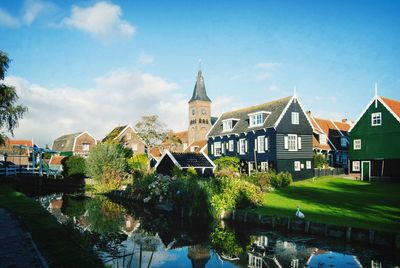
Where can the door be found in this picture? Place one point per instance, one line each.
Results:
(366, 170)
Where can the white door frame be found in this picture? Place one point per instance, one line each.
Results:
(362, 173)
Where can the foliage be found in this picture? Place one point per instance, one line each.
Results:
(10, 112)
(106, 165)
(177, 172)
(191, 173)
(225, 243)
(285, 179)
(158, 189)
(73, 166)
(231, 163)
(151, 130)
(270, 179)
(138, 162)
(320, 161)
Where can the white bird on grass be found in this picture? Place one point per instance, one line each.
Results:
(299, 214)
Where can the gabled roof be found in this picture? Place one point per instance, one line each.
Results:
(19, 142)
(65, 142)
(275, 109)
(199, 92)
(155, 153)
(56, 160)
(199, 146)
(186, 160)
(393, 107)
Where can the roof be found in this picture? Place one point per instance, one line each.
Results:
(274, 108)
(393, 105)
(65, 142)
(114, 133)
(199, 92)
(192, 160)
(198, 144)
(155, 153)
(56, 160)
(19, 142)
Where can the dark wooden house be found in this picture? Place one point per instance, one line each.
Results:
(199, 161)
(275, 135)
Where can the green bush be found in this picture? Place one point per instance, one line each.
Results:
(177, 172)
(73, 167)
(106, 164)
(191, 173)
(228, 162)
(266, 180)
(139, 162)
(320, 161)
(285, 178)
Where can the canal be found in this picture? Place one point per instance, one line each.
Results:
(128, 235)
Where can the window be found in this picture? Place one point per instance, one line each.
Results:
(134, 147)
(256, 120)
(292, 142)
(357, 144)
(297, 165)
(227, 125)
(231, 146)
(217, 148)
(261, 144)
(264, 166)
(376, 119)
(295, 118)
(242, 146)
(129, 136)
(85, 147)
(343, 142)
(356, 165)
(322, 138)
(308, 164)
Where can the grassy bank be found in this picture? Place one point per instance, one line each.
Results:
(61, 246)
(339, 201)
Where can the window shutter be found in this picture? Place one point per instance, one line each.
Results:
(299, 142)
(266, 145)
(238, 147)
(286, 141)
(222, 148)
(212, 148)
(255, 145)
(245, 146)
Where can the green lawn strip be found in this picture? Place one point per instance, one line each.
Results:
(338, 201)
(60, 245)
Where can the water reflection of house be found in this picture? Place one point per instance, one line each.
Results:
(131, 224)
(331, 259)
(199, 255)
(54, 208)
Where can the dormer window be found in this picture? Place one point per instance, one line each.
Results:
(258, 118)
(229, 124)
(322, 139)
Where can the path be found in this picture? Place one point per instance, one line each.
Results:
(17, 248)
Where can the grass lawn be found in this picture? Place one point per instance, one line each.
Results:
(339, 201)
(61, 247)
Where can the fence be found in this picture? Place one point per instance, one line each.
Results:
(328, 172)
(15, 170)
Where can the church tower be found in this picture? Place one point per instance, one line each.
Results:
(199, 111)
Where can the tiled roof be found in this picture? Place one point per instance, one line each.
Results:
(65, 143)
(19, 142)
(316, 144)
(393, 105)
(56, 160)
(155, 152)
(199, 92)
(198, 144)
(192, 160)
(274, 107)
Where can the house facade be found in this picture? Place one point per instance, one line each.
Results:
(275, 135)
(374, 140)
(331, 138)
(15, 154)
(79, 143)
(128, 137)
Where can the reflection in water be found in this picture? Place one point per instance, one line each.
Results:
(131, 236)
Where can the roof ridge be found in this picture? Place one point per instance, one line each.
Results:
(256, 106)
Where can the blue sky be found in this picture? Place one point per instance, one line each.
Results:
(90, 65)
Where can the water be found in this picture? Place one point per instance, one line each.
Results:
(132, 236)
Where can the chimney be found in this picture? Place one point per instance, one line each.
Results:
(344, 120)
(308, 112)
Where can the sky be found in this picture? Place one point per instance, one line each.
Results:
(94, 65)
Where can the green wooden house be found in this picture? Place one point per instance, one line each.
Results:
(375, 140)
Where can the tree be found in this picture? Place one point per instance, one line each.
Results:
(151, 130)
(10, 112)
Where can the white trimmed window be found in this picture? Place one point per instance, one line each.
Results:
(322, 139)
(299, 143)
(256, 120)
(356, 165)
(376, 119)
(295, 118)
(129, 136)
(261, 144)
(297, 166)
(227, 125)
(242, 146)
(357, 144)
(134, 147)
(264, 166)
(308, 164)
(231, 145)
(292, 142)
(85, 147)
(217, 148)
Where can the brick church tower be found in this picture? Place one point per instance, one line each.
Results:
(199, 111)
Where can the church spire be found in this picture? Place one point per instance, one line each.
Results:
(199, 92)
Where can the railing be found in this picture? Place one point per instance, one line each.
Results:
(328, 171)
(26, 171)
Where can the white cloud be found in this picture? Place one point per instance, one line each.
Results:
(120, 97)
(268, 65)
(145, 59)
(102, 20)
(7, 20)
(263, 76)
(32, 9)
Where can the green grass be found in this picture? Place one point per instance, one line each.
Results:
(60, 245)
(339, 201)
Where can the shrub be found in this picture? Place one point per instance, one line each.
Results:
(320, 161)
(191, 173)
(285, 178)
(177, 172)
(106, 164)
(73, 167)
(228, 162)
(138, 162)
